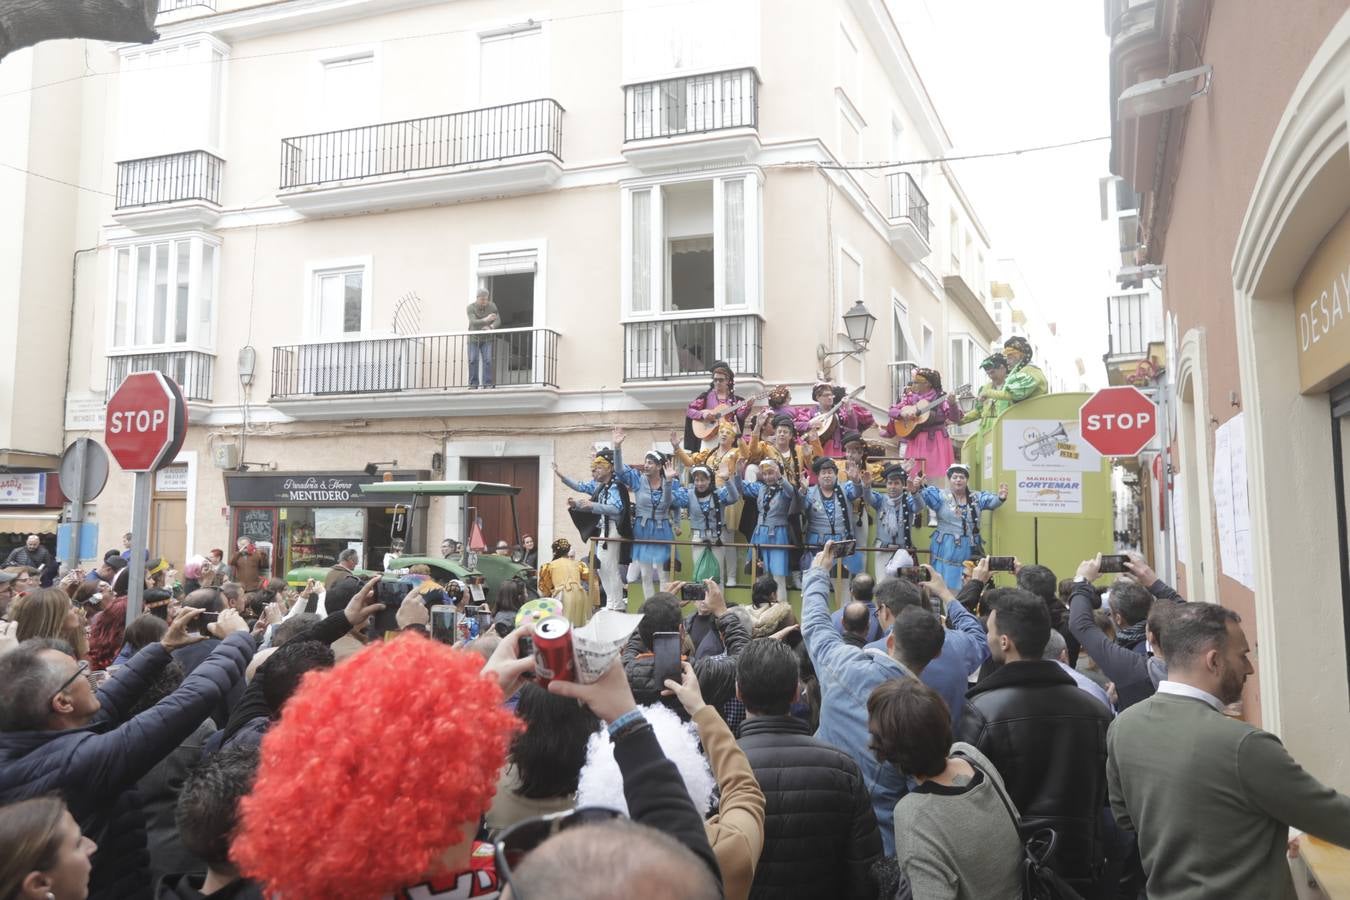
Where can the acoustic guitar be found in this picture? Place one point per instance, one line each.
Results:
(824, 423)
(922, 412)
(706, 429)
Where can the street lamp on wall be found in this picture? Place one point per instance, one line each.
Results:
(858, 325)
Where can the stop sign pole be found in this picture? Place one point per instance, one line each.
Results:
(145, 427)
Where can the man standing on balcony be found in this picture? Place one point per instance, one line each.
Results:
(482, 317)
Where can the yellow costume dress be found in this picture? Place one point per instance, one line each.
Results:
(562, 578)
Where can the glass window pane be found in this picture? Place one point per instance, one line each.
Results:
(183, 249)
(206, 295)
(161, 292)
(143, 311)
(329, 304)
(351, 308)
(733, 241)
(122, 298)
(642, 251)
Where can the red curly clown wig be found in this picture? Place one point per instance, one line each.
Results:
(375, 769)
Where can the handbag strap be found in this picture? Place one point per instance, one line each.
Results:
(998, 789)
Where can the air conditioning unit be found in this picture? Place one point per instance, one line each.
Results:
(226, 455)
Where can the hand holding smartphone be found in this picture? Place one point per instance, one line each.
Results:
(1113, 563)
(841, 549)
(666, 649)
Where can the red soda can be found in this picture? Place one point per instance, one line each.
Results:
(553, 650)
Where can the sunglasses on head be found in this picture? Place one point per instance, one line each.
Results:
(522, 838)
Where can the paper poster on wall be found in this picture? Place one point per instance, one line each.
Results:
(1231, 511)
(1177, 507)
(339, 524)
(1049, 492)
(1047, 445)
(989, 461)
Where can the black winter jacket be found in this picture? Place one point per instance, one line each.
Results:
(1047, 738)
(820, 834)
(96, 767)
(716, 674)
(1128, 667)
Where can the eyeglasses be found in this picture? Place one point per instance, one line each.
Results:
(80, 669)
(522, 838)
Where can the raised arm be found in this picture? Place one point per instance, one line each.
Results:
(1117, 663)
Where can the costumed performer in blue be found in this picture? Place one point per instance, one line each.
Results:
(777, 503)
(655, 499)
(956, 537)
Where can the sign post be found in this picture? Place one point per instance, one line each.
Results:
(84, 472)
(145, 427)
(1118, 421)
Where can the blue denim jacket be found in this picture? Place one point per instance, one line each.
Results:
(847, 676)
(963, 651)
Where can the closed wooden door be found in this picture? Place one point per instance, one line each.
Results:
(168, 530)
(495, 512)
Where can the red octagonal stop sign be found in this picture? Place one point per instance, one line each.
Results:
(146, 422)
(1118, 421)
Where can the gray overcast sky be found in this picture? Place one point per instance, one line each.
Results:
(1006, 75)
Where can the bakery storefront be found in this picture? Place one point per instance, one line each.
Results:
(307, 519)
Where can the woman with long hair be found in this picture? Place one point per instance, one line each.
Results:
(47, 613)
(46, 857)
(929, 443)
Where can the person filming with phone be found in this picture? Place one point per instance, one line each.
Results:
(654, 652)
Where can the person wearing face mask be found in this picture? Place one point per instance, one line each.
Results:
(45, 856)
(1211, 798)
(956, 538)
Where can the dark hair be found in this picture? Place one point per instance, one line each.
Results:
(84, 592)
(661, 613)
(280, 674)
(206, 599)
(510, 595)
(340, 594)
(144, 629)
(161, 686)
(27, 683)
(1040, 581)
(857, 617)
(208, 804)
(918, 635)
(549, 752)
(111, 555)
(861, 587)
(764, 590)
(1192, 629)
(156, 595)
(897, 593)
(911, 726)
(1023, 618)
(121, 580)
(1158, 618)
(806, 671)
(30, 832)
(295, 625)
(1132, 600)
(766, 676)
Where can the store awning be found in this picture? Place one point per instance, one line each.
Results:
(29, 523)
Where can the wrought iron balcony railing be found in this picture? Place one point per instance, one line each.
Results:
(693, 104)
(175, 177)
(191, 369)
(680, 348)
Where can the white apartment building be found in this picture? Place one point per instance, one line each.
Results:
(287, 207)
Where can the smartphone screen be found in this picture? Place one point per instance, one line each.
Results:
(443, 624)
(841, 549)
(693, 592)
(1114, 562)
(200, 623)
(1000, 564)
(666, 648)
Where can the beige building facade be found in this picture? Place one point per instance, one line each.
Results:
(290, 206)
(1244, 200)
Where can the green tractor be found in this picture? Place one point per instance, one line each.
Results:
(485, 571)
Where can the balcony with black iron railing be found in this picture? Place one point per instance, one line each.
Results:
(908, 216)
(412, 374)
(173, 189)
(693, 118)
(511, 148)
(191, 369)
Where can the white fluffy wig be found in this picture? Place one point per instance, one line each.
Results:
(601, 782)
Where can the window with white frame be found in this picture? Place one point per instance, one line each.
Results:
(926, 351)
(163, 294)
(965, 360)
(850, 269)
(903, 347)
(691, 247)
(340, 302)
(954, 243)
(514, 279)
(350, 91)
(511, 66)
